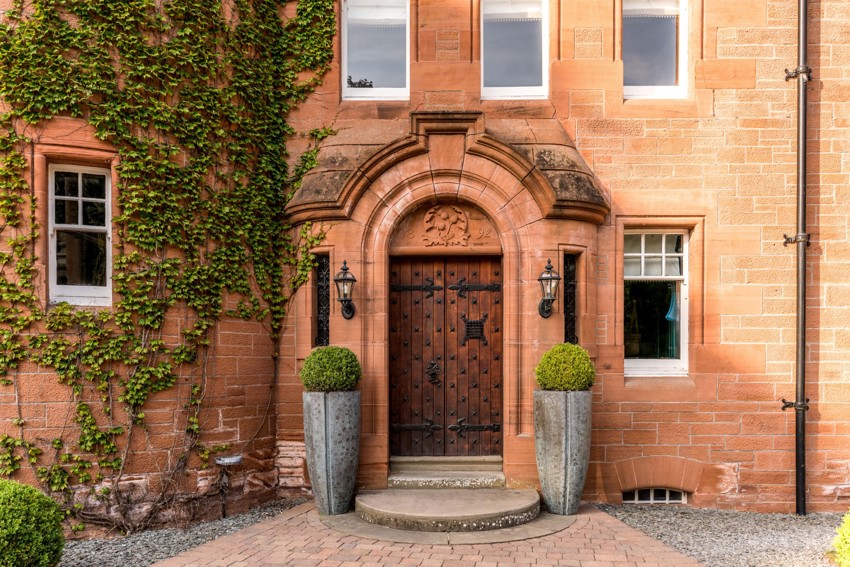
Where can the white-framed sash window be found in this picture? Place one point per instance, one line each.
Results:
(80, 235)
(376, 50)
(514, 49)
(655, 48)
(655, 330)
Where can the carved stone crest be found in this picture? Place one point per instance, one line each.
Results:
(445, 225)
(440, 227)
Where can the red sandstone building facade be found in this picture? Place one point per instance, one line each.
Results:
(646, 148)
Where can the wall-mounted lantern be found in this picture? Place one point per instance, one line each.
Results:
(549, 280)
(344, 281)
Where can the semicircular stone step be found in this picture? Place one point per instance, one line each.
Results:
(448, 509)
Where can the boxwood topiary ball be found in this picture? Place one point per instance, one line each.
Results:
(565, 367)
(30, 527)
(330, 369)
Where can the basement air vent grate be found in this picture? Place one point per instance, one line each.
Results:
(654, 496)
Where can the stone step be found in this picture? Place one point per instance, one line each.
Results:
(406, 464)
(446, 479)
(448, 509)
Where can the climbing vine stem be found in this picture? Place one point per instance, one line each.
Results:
(194, 97)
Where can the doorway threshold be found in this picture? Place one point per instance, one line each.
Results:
(446, 472)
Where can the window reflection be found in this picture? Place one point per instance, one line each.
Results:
(650, 42)
(66, 212)
(66, 184)
(94, 214)
(512, 44)
(376, 44)
(94, 186)
(652, 319)
(649, 51)
(80, 258)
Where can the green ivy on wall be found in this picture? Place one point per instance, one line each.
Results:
(194, 96)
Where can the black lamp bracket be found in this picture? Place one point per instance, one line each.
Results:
(347, 308)
(545, 307)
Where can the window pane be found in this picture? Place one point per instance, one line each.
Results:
(650, 50)
(652, 323)
(94, 186)
(673, 267)
(652, 243)
(94, 214)
(631, 244)
(659, 494)
(673, 244)
(377, 54)
(65, 184)
(644, 494)
(65, 212)
(512, 51)
(631, 266)
(80, 258)
(652, 266)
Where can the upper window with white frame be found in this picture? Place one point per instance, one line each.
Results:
(514, 49)
(655, 270)
(655, 48)
(80, 262)
(376, 48)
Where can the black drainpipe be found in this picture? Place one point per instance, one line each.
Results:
(803, 74)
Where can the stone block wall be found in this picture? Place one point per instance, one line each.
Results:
(237, 407)
(236, 415)
(734, 170)
(722, 164)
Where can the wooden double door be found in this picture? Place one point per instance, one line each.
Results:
(445, 332)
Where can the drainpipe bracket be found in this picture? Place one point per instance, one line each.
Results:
(804, 72)
(798, 406)
(798, 238)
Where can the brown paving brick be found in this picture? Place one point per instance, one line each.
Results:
(301, 539)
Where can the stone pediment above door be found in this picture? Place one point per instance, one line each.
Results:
(538, 153)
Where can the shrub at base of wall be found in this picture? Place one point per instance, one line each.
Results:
(30, 527)
(841, 544)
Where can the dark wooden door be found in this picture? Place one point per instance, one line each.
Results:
(445, 356)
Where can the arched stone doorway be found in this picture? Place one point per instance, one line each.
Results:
(434, 200)
(445, 334)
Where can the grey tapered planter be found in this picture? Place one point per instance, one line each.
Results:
(562, 444)
(332, 441)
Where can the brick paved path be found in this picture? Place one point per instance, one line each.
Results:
(298, 537)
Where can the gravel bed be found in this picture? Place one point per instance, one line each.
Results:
(146, 548)
(720, 538)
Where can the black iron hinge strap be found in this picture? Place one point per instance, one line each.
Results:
(429, 287)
